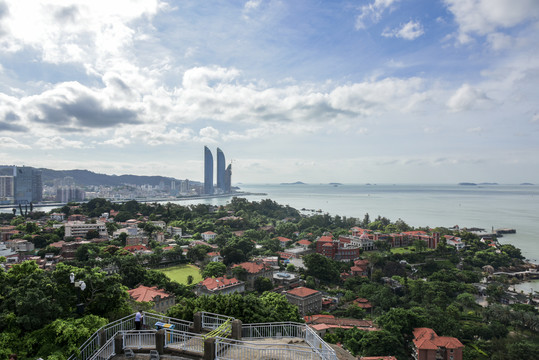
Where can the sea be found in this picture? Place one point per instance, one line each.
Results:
(486, 206)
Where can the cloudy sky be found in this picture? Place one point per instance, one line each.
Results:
(386, 91)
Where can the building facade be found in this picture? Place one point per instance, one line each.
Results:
(208, 171)
(221, 171)
(28, 186)
(161, 299)
(307, 300)
(7, 189)
(219, 285)
(80, 229)
(429, 346)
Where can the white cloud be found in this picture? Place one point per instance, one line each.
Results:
(409, 31)
(117, 141)
(58, 142)
(372, 12)
(465, 98)
(10, 143)
(481, 17)
(209, 133)
(500, 41)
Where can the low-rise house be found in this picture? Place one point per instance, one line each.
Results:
(307, 300)
(255, 270)
(130, 231)
(286, 280)
(323, 324)
(138, 249)
(304, 243)
(161, 299)
(20, 245)
(136, 240)
(429, 346)
(284, 241)
(57, 216)
(455, 241)
(173, 231)
(219, 285)
(214, 256)
(208, 235)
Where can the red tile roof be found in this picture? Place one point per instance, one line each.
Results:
(302, 291)
(220, 282)
(283, 239)
(145, 293)
(326, 238)
(132, 248)
(252, 267)
(426, 339)
(304, 242)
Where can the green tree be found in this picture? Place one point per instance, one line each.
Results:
(262, 284)
(322, 268)
(213, 269)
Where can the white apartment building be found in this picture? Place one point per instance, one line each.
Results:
(80, 229)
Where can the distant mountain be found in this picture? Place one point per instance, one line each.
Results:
(86, 178)
(294, 183)
(526, 184)
(488, 183)
(467, 184)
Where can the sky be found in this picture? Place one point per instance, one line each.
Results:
(383, 91)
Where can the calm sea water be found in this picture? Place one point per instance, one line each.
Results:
(483, 206)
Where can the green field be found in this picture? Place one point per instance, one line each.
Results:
(406, 250)
(181, 272)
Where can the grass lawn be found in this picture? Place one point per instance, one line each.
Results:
(181, 272)
(406, 250)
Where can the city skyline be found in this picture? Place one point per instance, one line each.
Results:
(373, 91)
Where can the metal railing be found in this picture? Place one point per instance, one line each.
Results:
(107, 351)
(150, 319)
(139, 339)
(184, 340)
(289, 329)
(316, 342)
(225, 349)
(273, 330)
(213, 321)
(93, 344)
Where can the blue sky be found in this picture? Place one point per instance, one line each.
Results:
(385, 91)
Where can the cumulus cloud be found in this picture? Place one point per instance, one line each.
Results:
(372, 12)
(71, 106)
(118, 141)
(75, 32)
(7, 142)
(465, 98)
(481, 17)
(58, 142)
(409, 31)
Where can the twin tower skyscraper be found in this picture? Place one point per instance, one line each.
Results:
(224, 175)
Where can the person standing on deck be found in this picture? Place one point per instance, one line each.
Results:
(138, 320)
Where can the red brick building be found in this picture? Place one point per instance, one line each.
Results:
(429, 346)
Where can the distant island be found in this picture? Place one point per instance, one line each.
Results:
(467, 184)
(335, 184)
(294, 183)
(526, 184)
(474, 184)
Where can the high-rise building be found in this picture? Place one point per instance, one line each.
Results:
(208, 171)
(28, 185)
(221, 171)
(228, 179)
(7, 189)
